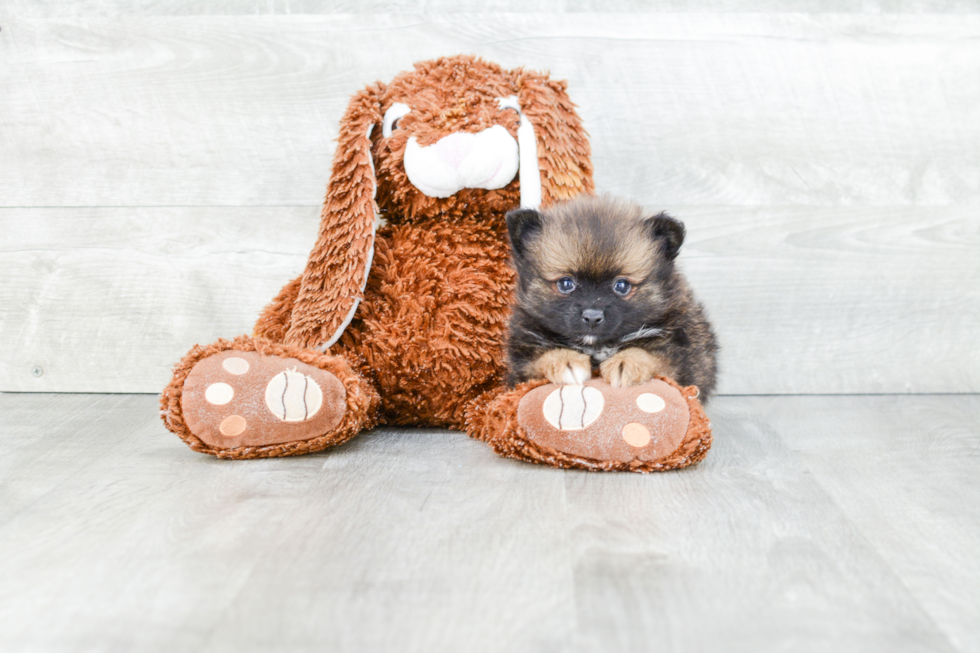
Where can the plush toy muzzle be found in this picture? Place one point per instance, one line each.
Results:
(488, 159)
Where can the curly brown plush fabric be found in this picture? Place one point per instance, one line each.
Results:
(405, 296)
(335, 273)
(432, 317)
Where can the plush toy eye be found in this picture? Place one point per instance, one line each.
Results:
(565, 285)
(392, 115)
(622, 287)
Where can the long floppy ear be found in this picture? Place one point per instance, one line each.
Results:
(336, 273)
(564, 154)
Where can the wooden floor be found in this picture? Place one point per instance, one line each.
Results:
(847, 523)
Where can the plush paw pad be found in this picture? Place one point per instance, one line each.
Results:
(293, 396)
(644, 422)
(243, 398)
(572, 407)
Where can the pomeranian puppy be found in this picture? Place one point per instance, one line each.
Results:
(598, 291)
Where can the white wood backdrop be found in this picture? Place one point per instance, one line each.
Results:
(161, 169)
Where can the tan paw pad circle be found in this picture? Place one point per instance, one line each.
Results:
(232, 425)
(219, 394)
(650, 403)
(293, 397)
(235, 365)
(573, 407)
(636, 435)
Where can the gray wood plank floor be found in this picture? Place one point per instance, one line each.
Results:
(816, 523)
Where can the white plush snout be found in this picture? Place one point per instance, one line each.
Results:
(488, 159)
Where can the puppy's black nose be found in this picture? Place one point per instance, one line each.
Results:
(593, 317)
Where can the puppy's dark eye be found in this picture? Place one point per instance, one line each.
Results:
(565, 285)
(622, 287)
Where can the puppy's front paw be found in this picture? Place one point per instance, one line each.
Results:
(632, 366)
(563, 367)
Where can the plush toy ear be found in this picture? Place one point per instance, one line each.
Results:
(522, 225)
(564, 154)
(336, 273)
(668, 231)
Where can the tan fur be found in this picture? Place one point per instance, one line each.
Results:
(564, 246)
(557, 364)
(424, 346)
(428, 330)
(601, 243)
(633, 366)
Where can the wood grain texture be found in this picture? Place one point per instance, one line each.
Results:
(920, 508)
(114, 8)
(109, 299)
(120, 539)
(741, 109)
(804, 300)
(815, 524)
(747, 551)
(826, 161)
(841, 300)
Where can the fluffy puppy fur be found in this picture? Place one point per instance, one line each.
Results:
(598, 290)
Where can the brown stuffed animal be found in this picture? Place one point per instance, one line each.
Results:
(400, 314)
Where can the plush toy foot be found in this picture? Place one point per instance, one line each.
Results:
(242, 398)
(240, 402)
(650, 427)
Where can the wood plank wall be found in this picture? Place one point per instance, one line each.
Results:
(161, 166)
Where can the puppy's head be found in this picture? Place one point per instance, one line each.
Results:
(594, 269)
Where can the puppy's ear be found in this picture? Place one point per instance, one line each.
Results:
(523, 225)
(668, 232)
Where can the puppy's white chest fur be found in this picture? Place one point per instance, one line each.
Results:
(599, 353)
